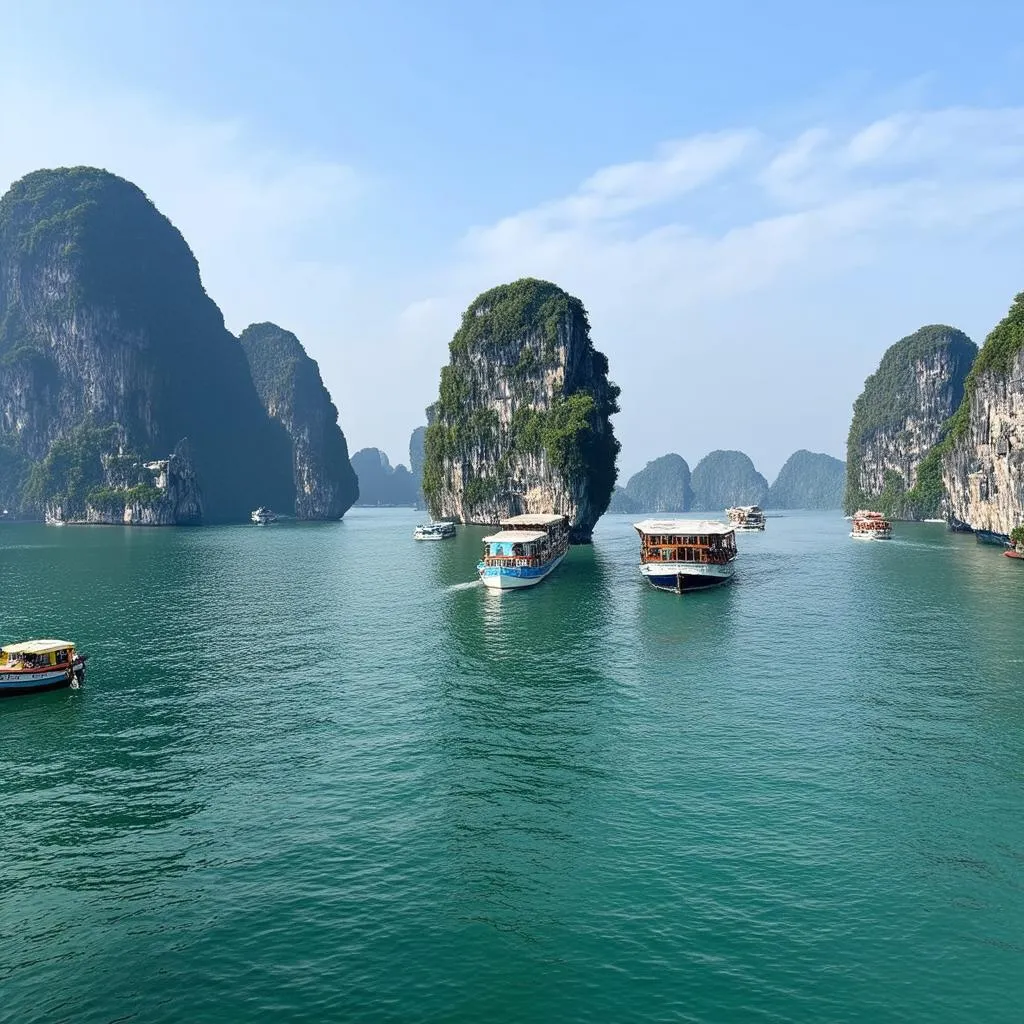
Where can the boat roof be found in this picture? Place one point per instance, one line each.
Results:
(533, 519)
(515, 536)
(745, 508)
(679, 526)
(38, 646)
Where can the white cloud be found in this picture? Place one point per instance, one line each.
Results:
(765, 223)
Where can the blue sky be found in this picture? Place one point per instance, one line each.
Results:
(753, 200)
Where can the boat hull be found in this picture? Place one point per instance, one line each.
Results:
(13, 684)
(871, 535)
(682, 578)
(517, 577)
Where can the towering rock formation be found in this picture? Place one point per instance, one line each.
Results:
(981, 462)
(522, 423)
(724, 478)
(292, 392)
(808, 480)
(417, 456)
(380, 483)
(104, 323)
(661, 486)
(899, 417)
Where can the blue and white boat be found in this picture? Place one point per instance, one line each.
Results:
(680, 555)
(525, 551)
(36, 665)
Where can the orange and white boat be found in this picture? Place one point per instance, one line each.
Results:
(40, 665)
(869, 525)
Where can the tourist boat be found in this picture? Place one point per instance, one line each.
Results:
(37, 665)
(1000, 540)
(869, 525)
(525, 551)
(746, 518)
(680, 555)
(52, 520)
(434, 531)
(1017, 551)
(262, 516)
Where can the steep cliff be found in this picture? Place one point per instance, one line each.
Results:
(522, 422)
(981, 461)
(380, 483)
(808, 480)
(661, 486)
(725, 478)
(417, 456)
(899, 417)
(292, 392)
(104, 321)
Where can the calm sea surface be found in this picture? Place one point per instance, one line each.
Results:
(315, 773)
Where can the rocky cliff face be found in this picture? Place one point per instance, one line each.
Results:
(900, 416)
(417, 456)
(380, 483)
(809, 480)
(661, 486)
(982, 459)
(522, 422)
(293, 394)
(725, 478)
(103, 322)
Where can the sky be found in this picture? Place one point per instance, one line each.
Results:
(753, 201)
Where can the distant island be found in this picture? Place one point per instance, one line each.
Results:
(380, 483)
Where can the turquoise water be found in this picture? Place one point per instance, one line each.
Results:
(315, 773)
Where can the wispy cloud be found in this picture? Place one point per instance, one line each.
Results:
(665, 251)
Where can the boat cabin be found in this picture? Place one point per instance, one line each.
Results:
(516, 548)
(36, 654)
(686, 541)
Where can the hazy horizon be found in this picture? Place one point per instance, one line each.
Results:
(752, 205)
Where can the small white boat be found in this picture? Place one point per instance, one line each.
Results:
(681, 555)
(527, 550)
(434, 531)
(933, 520)
(746, 518)
(52, 520)
(262, 516)
(37, 665)
(869, 525)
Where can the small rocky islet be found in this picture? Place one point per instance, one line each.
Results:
(111, 352)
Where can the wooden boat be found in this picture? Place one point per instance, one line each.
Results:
(746, 518)
(680, 555)
(869, 525)
(525, 551)
(434, 531)
(37, 665)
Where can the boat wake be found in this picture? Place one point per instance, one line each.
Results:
(468, 585)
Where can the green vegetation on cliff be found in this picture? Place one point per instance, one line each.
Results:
(71, 471)
(892, 396)
(509, 342)
(725, 478)
(290, 387)
(808, 480)
(997, 356)
(104, 321)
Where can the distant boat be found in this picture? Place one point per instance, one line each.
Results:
(527, 550)
(37, 665)
(746, 518)
(262, 516)
(869, 525)
(680, 555)
(434, 531)
(933, 520)
(1015, 552)
(52, 520)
